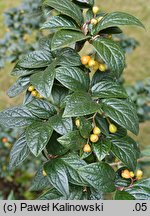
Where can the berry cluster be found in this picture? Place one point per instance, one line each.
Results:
(94, 65)
(34, 92)
(95, 135)
(6, 142)
(131, 175)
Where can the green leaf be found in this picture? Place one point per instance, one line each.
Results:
(18, 87)
(39, 181)
(75, 193)
(102, 123)
(72, 140)
(111, 53)
(54, 147)
(68, 57)
(56, 173)
(66, 7)
(36, 59)
(19, 71)
(80, 104)
(61, 125)
(116, 18)
(58, 94)
(72, 78)
(125, 151)
(60, 22)
(19, 152)
(123, 112)
(102, 149)
(85, 127)
(64, 38)
(86, 2)
(41, 108)
(140, 190)
(17, 117)
(123, 195)
(99, 175)
(72, 163)
(43, 82)
(37, 136)
(108, 89)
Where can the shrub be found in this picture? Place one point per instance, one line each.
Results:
(75, 111)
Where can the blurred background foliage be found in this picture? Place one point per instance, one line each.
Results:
(19, 23)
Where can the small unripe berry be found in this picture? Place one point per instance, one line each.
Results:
(94, 21)
(4, 140)
(96, 66)
(100, 18)
(139, 174)
(87, 148)
(94, 138)
(102, 67)
(77, 123)
(34, 93)
(126, 174)
(95, 9)
(31, 88)
(96, 130)
(85, 59)
(132, 174)
(44, 173)
(92, 63)
(39, 96)
(112, 128)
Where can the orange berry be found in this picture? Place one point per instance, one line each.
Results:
(126, 174)
(31, 88)
(85, 59)
(94, 21)
(34, 93)
(4, 140)
(92, 63)
(87, 148)
(96, 130)
(96, 66)
(94, 138)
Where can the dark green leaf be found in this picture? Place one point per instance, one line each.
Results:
(66, 7)
(63, 38)
(123, 195)
(60, 22)
(85, 127)
(61, 125)
(19, 152)
(37, 136)
(125, 151)
(41, 108)
(72, 140)
(102, 149)
(73, 78)
(57, 176)
(116, 18)
(43, 82)
(111, 53)
(99, 175)
(36, 59)
(68, 57)
(80, 104)
(18, 87)
(123, 112)
(108, 89)
(58, 94)
(19, 71)
(140, 190)
(16, 117)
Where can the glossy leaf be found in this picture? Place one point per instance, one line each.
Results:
(99, 175)
(101, 149)
(19, 152)
(116, 18)
(108, 89)
(37, 136)
(111, 53)
(66, 7)
(82, 100)
(123, 112)
(43, 82)
(123, 195)
(72, 78)
(64, 38)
